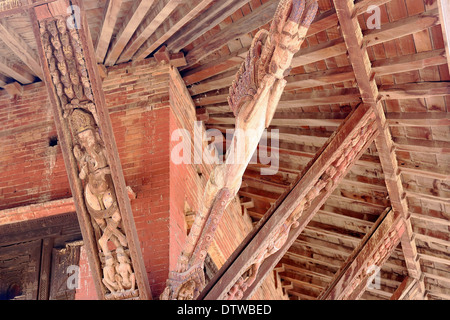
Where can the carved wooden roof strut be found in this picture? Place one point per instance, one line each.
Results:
(253, 98)
(89, 150)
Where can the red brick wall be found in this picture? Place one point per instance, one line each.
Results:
(30, 170)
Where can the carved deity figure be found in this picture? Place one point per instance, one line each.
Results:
(101, 200)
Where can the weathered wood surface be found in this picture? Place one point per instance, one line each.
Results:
(253, 97)
(369, 93)
(282, 226)
(92, 161)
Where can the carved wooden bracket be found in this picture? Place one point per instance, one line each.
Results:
(254, 96)
(89, 150)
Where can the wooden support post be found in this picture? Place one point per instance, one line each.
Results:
(280, 227)
(364, 75)
(375, 248)
(90, 153)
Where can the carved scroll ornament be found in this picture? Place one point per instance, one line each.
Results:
(64, 55)
(253, 98)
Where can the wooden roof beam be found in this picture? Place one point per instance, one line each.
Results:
(179, 17)
(336, 75)
(15, 71)
(444, 15)
(20, 48)
(110, 14)
(350, 281)
(210, 18)
(340, 96)
(369, 92)
(131, 22)
(290, 207)
(158, 13)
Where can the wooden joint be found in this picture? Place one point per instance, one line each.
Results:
(14, 89)
(174, 59)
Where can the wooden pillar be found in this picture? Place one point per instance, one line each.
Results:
(89, 149)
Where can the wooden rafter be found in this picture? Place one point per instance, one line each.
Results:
(20, 48)
(208, 20)
(110, 14)
(156, 16)
(15, 71)
(369, 92)
(292, 205)
(257, 18)
(80, 114)
(350, 281)
(131, 22)
(444, 15)
(341, 95)
(180, 16)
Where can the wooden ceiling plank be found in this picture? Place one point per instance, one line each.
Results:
(15, 71)
(359, 59)
(131, 22)
(20, 48)
(181, 16)
(403, 289)
(257, 18)
(158, 13)
(444, 16)
(223, 64)
(110, 15)
(210, 18)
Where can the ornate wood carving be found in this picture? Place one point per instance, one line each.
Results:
(254, 96)
(88, 146)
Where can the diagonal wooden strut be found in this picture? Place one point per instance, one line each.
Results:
(276, 232)
(90, 153)
(364, 75)
(375, 248)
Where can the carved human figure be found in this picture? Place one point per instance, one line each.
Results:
(125, 276)
(99, 193)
